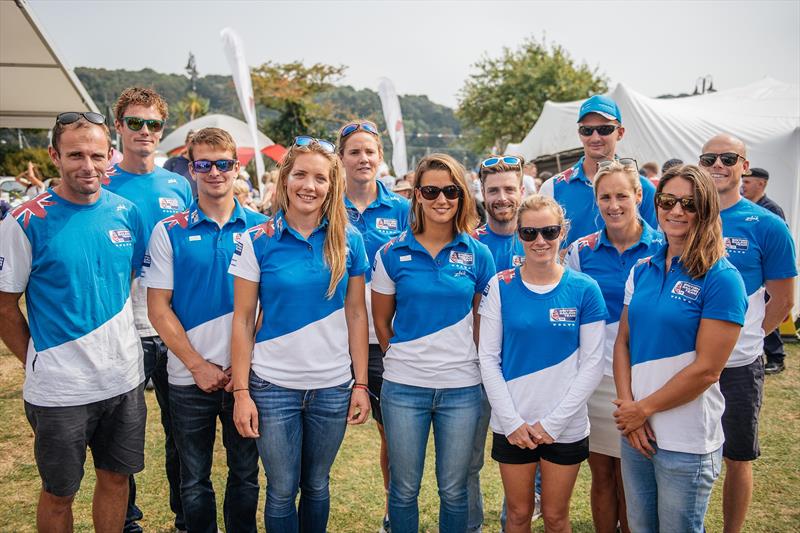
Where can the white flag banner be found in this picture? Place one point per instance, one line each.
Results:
(234, 51)
(394, 123)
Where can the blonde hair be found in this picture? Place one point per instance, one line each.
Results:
(342, 141)
(466, 218)
(216, 138)
(704, 243)
(539, 202)
(501, 166)
(335, 247)
(240, 187)
(613, 168)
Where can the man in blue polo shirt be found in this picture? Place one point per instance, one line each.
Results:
(190, 302)
(599, 130)
(72, 250)
(140, 115)
(760, 246)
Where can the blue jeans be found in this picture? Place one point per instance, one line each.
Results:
(155, 368)
(474, 496)
(670, 491)
(300, 434)
(194, 420)
(408, 413)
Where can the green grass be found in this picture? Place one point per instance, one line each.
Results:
(356, 485)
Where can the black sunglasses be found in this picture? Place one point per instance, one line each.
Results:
(74, 116)
(203, 166)
(728, 159)
(431, 192)
(550, 233)
(604, 130)
(136, 123)
(667, 201)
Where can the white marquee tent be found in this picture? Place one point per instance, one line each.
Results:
(35, 82)
(764, 114)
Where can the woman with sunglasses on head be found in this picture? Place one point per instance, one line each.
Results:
(293, 390)
(541, 353)
(426, 285)
(683, 309)
(607, 257)
(379, 215)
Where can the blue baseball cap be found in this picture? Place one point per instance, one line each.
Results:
(602, 105)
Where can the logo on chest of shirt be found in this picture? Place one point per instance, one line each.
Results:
(386, 224)
(172, 180)
(686, 290)
(563, 316)
(120, 236)
(169, 204)
(736, 244)
(462, 259)
(752, 218)
(517, 260)
(122, 207)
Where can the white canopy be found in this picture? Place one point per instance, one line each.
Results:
(35, 82)
(764, 114)
(238, 129)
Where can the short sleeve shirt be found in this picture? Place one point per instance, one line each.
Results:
(303, 341)
(432, 342)
(74, 263)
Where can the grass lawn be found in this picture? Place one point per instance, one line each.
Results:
(356, 486)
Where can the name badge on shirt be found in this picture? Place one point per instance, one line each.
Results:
(386, 224)
(404, 258)
(461, 258)
(195, 237)
(168, 203)
(686, 290)
(736, 244)
(564, 315)
(120, 236)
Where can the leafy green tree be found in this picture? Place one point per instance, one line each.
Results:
(289, 90)
(16, 162)
(192, 106)
(504, 98)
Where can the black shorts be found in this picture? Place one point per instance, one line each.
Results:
(112, 428)
(743, 389)
(571, 453)
(375, 375)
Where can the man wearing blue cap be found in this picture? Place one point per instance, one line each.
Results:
(599, 130)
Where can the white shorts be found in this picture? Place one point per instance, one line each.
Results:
(604, 437)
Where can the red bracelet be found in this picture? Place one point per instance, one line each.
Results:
(361, 386)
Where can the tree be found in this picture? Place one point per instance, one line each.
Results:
(190, 107)
(501, 102)
(289, 90)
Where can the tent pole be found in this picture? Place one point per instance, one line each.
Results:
(558, 162)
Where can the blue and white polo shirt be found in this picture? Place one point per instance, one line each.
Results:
(761, 247)
(664, 314)
(189, 254)
(303, 341)
(550, 352)
(575, 193)
(74, 263)
(159, 194)
(382, 220)
(596, 256)
(507, 250)
(432, 344)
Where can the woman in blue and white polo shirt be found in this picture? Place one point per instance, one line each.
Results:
(541, 352)
(293, 390)
(426, 285)
(608, 256)
(684, 307)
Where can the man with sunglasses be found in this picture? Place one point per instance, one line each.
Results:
(760, 246)
(190, 302)
(72, 250)
(599, 130)
(140, 115)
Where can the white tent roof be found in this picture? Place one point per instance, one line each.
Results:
(35, 82)
(764, 114)
(238, 129)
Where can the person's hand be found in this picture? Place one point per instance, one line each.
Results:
(629, 415)
(640, 438)
(209, 377)
(540, 436)
(229, 372)
(523, 437)
(245, 414)
(359, 406)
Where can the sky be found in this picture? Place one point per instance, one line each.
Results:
(654, 47)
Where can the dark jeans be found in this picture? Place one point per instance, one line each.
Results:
(155, 368)
(194, 419)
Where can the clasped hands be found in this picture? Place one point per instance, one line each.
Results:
(631, 420)
(530, 436)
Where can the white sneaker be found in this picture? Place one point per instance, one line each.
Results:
(385, 526)
(537, 508)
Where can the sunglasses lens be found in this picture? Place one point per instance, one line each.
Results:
(551, 233)
(303, 140)
(528, 234)
(666, 202)
(492, 161)
(369, 127)
(350, 128)
(68, 118)
(707, 160)
(94, 118)
(451, 192)
(327, 146)
(224, 165)
(202, 166)
(688, 205)
(585, 131)
(154, 125)
(608, 129)
(134, 123)
(511, 160)
(729, 159)
(429, 192)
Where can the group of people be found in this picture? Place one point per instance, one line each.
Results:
(602, 318)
